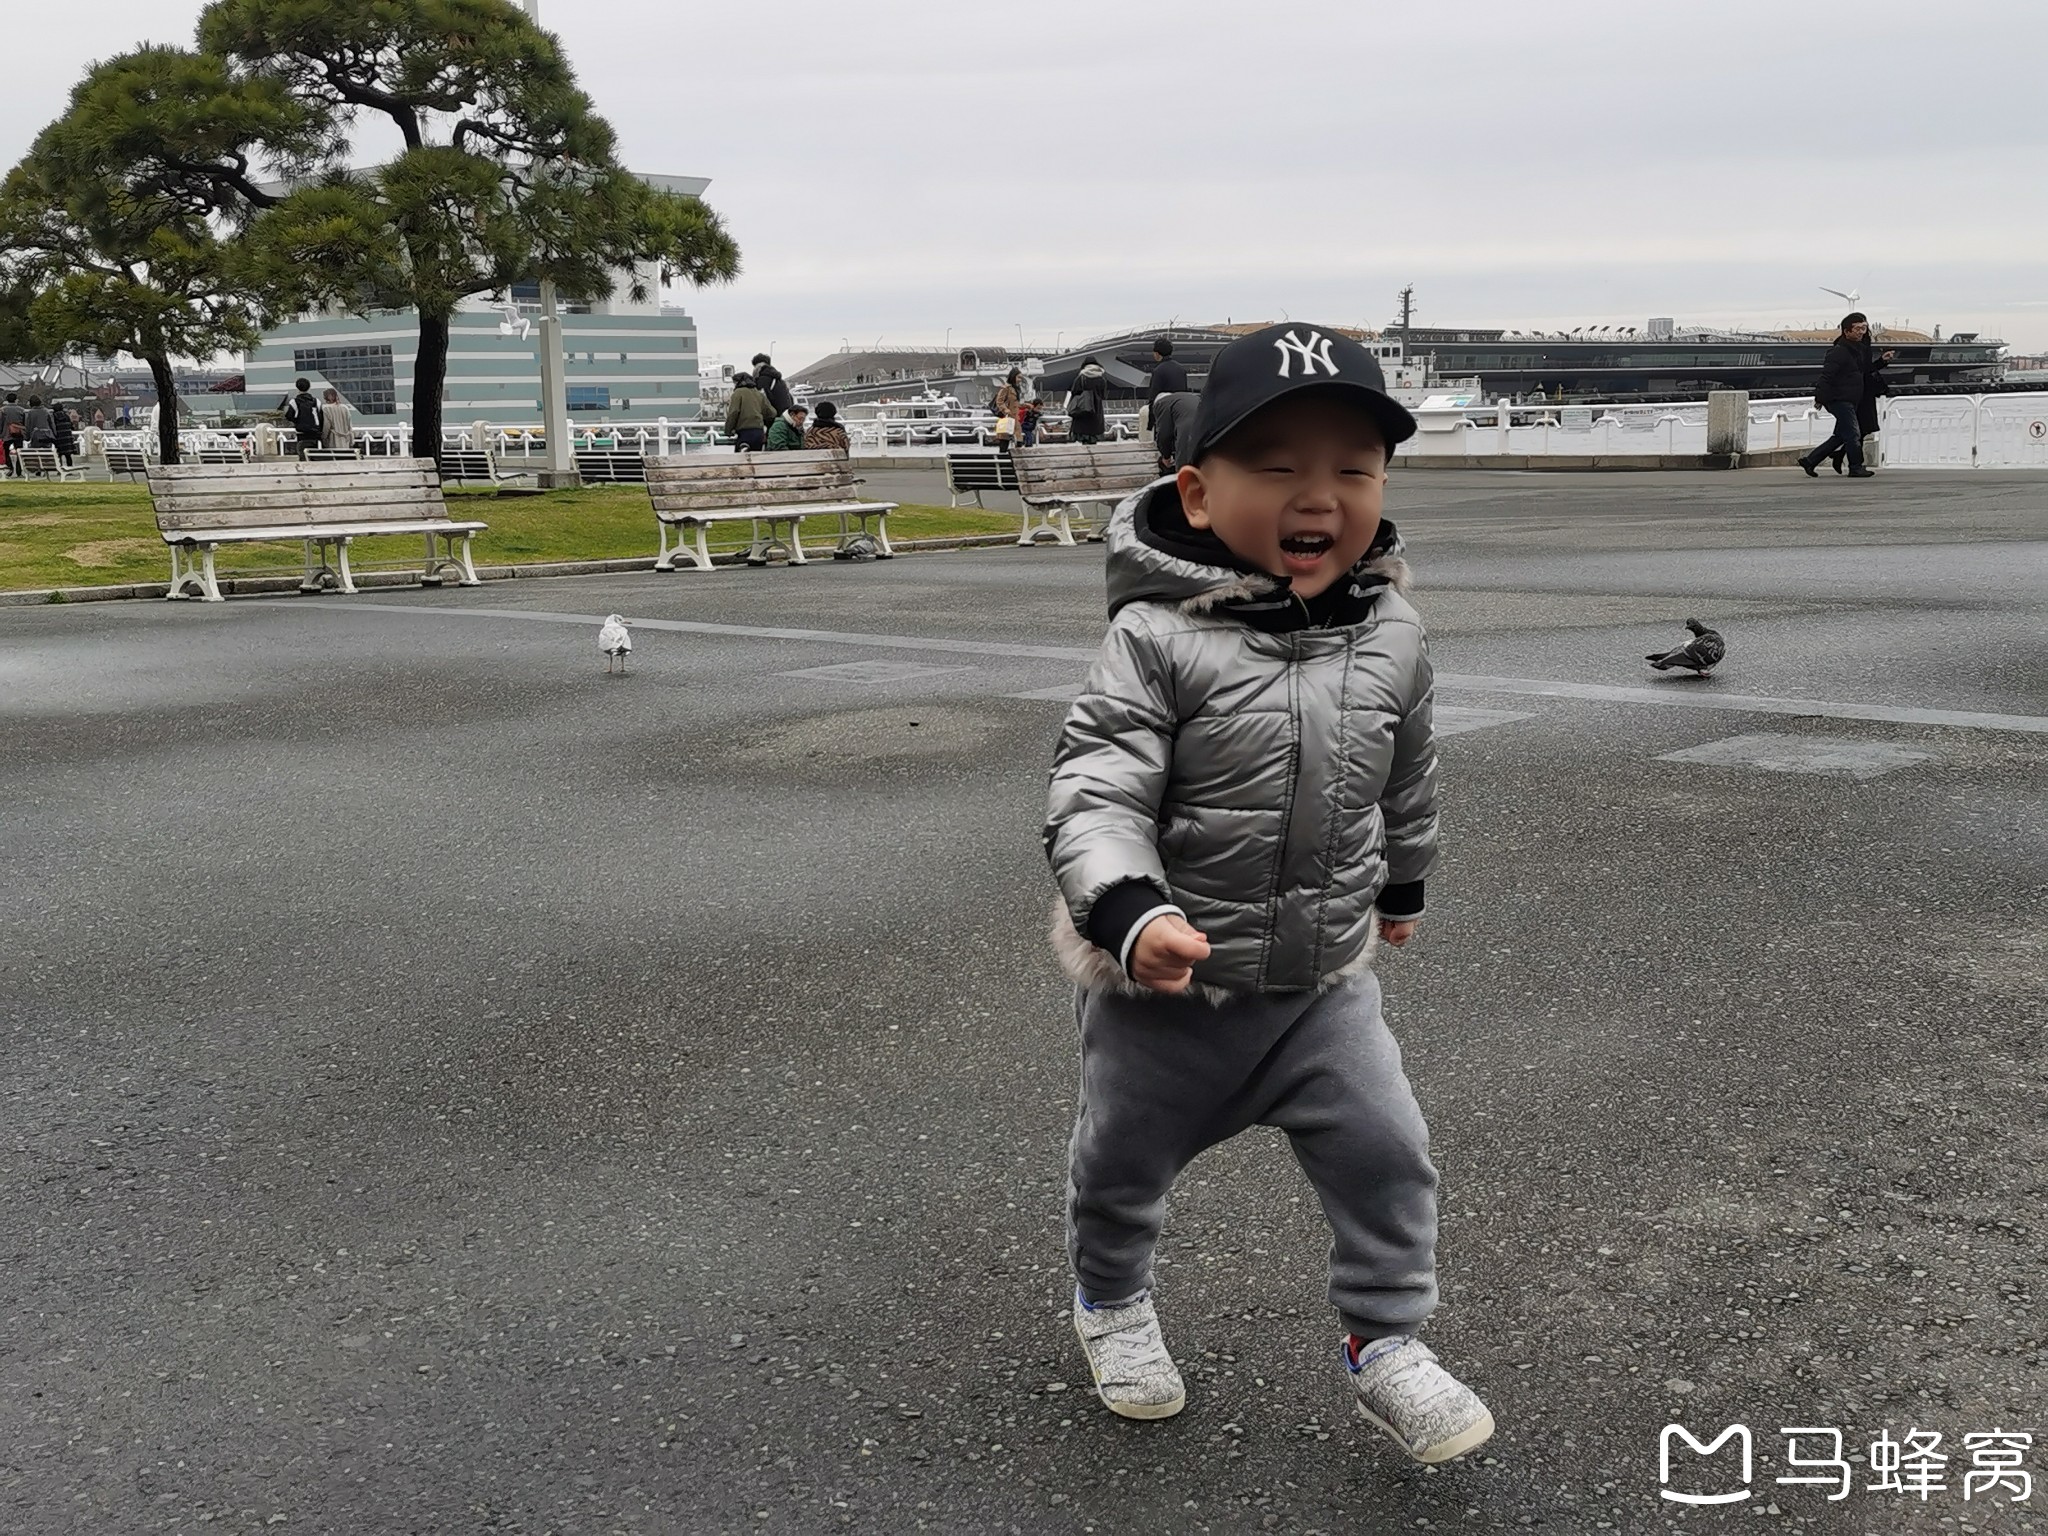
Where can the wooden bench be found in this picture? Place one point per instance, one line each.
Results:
(126, 461)
(611, 466)
(44, 461)
(325, 506)
(1051, 482)
(330, 455)
(969, 474)
(219, 453)
(767, 490)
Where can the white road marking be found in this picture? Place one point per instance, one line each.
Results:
(1064, 693)
(1679, 695)
(1456, 719)
(872, 672)
(1778, 753)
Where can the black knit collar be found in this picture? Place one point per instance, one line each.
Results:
(1269, 602)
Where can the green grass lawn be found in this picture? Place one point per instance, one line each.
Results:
(105, 535)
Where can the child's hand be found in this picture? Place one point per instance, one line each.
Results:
(1397, 934)
(1166, 952)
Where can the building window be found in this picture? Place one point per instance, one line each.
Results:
(363, 375)
(590, 397)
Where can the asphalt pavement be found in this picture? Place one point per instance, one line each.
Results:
(449, 1089)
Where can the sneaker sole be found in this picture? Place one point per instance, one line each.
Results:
(1165, 1410)
(1449, 1450)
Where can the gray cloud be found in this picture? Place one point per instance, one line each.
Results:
(895, 168)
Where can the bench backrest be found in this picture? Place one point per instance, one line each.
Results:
(466, 464)
(126, 461)
(708, 482)
(42, 460)
(980, 472)
(1083, 468)
(615, 465)
(192, 498)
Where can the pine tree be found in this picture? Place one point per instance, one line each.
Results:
(119, 221)
(507, 174)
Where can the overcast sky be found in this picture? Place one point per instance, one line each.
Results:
(895, 169)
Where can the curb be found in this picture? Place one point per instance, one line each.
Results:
(252, 586)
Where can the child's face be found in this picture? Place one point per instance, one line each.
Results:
(1296, 490)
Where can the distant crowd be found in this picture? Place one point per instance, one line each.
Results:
(36, 425)
(763, 417)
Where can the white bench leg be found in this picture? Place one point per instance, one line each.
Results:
(181, 573)
(663, 559)
(462, 558)
(763, 549)
(209, 587)
(348, 580)
(796, 541)
(430, 573)
(1046, 524)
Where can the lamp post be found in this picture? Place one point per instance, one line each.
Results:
(558, 467)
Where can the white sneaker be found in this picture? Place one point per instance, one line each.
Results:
(1134, 1375)
(1418, 1404)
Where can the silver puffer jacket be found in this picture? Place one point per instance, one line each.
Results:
(1268, 783)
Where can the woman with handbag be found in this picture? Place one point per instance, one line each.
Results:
(1088, 402)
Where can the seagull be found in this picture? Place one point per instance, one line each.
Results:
(1699, 655)
(614, 640)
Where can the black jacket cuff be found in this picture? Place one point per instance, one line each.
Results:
(1400, 903)
(1118, 910)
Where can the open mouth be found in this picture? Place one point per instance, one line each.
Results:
(1305, 551)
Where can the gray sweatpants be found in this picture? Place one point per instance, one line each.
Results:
(1165, 1078)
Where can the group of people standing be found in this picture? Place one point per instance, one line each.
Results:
(763, 416)
(35, 425)
(325, 423)
(1851, 383)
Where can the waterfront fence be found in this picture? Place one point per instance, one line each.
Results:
(2002, 431)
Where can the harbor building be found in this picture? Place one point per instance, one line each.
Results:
(628, 360)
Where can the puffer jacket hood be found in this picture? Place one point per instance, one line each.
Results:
(1264, 765)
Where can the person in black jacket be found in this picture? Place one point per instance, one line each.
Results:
(302, 414)
(1840, 392)
(1168, 377)
(768, 379)
(67, 434)
(1867, 423)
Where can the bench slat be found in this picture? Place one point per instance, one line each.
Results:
(767, 495)
(730, 514)
(295, 532)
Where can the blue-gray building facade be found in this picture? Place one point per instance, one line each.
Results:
(627, 362)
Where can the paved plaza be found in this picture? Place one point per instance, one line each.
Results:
(449, 1089)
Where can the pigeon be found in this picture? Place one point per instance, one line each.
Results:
(1699, 655)
(614, 640)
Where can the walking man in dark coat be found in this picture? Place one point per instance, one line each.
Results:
(769, 380)
(1840, 392)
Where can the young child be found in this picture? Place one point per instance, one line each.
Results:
(1245, 790)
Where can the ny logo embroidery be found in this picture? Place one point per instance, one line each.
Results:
(1314, 351)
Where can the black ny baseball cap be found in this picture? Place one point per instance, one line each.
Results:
(1281, 360)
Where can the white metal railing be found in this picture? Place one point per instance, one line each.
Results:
(2005, 431)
